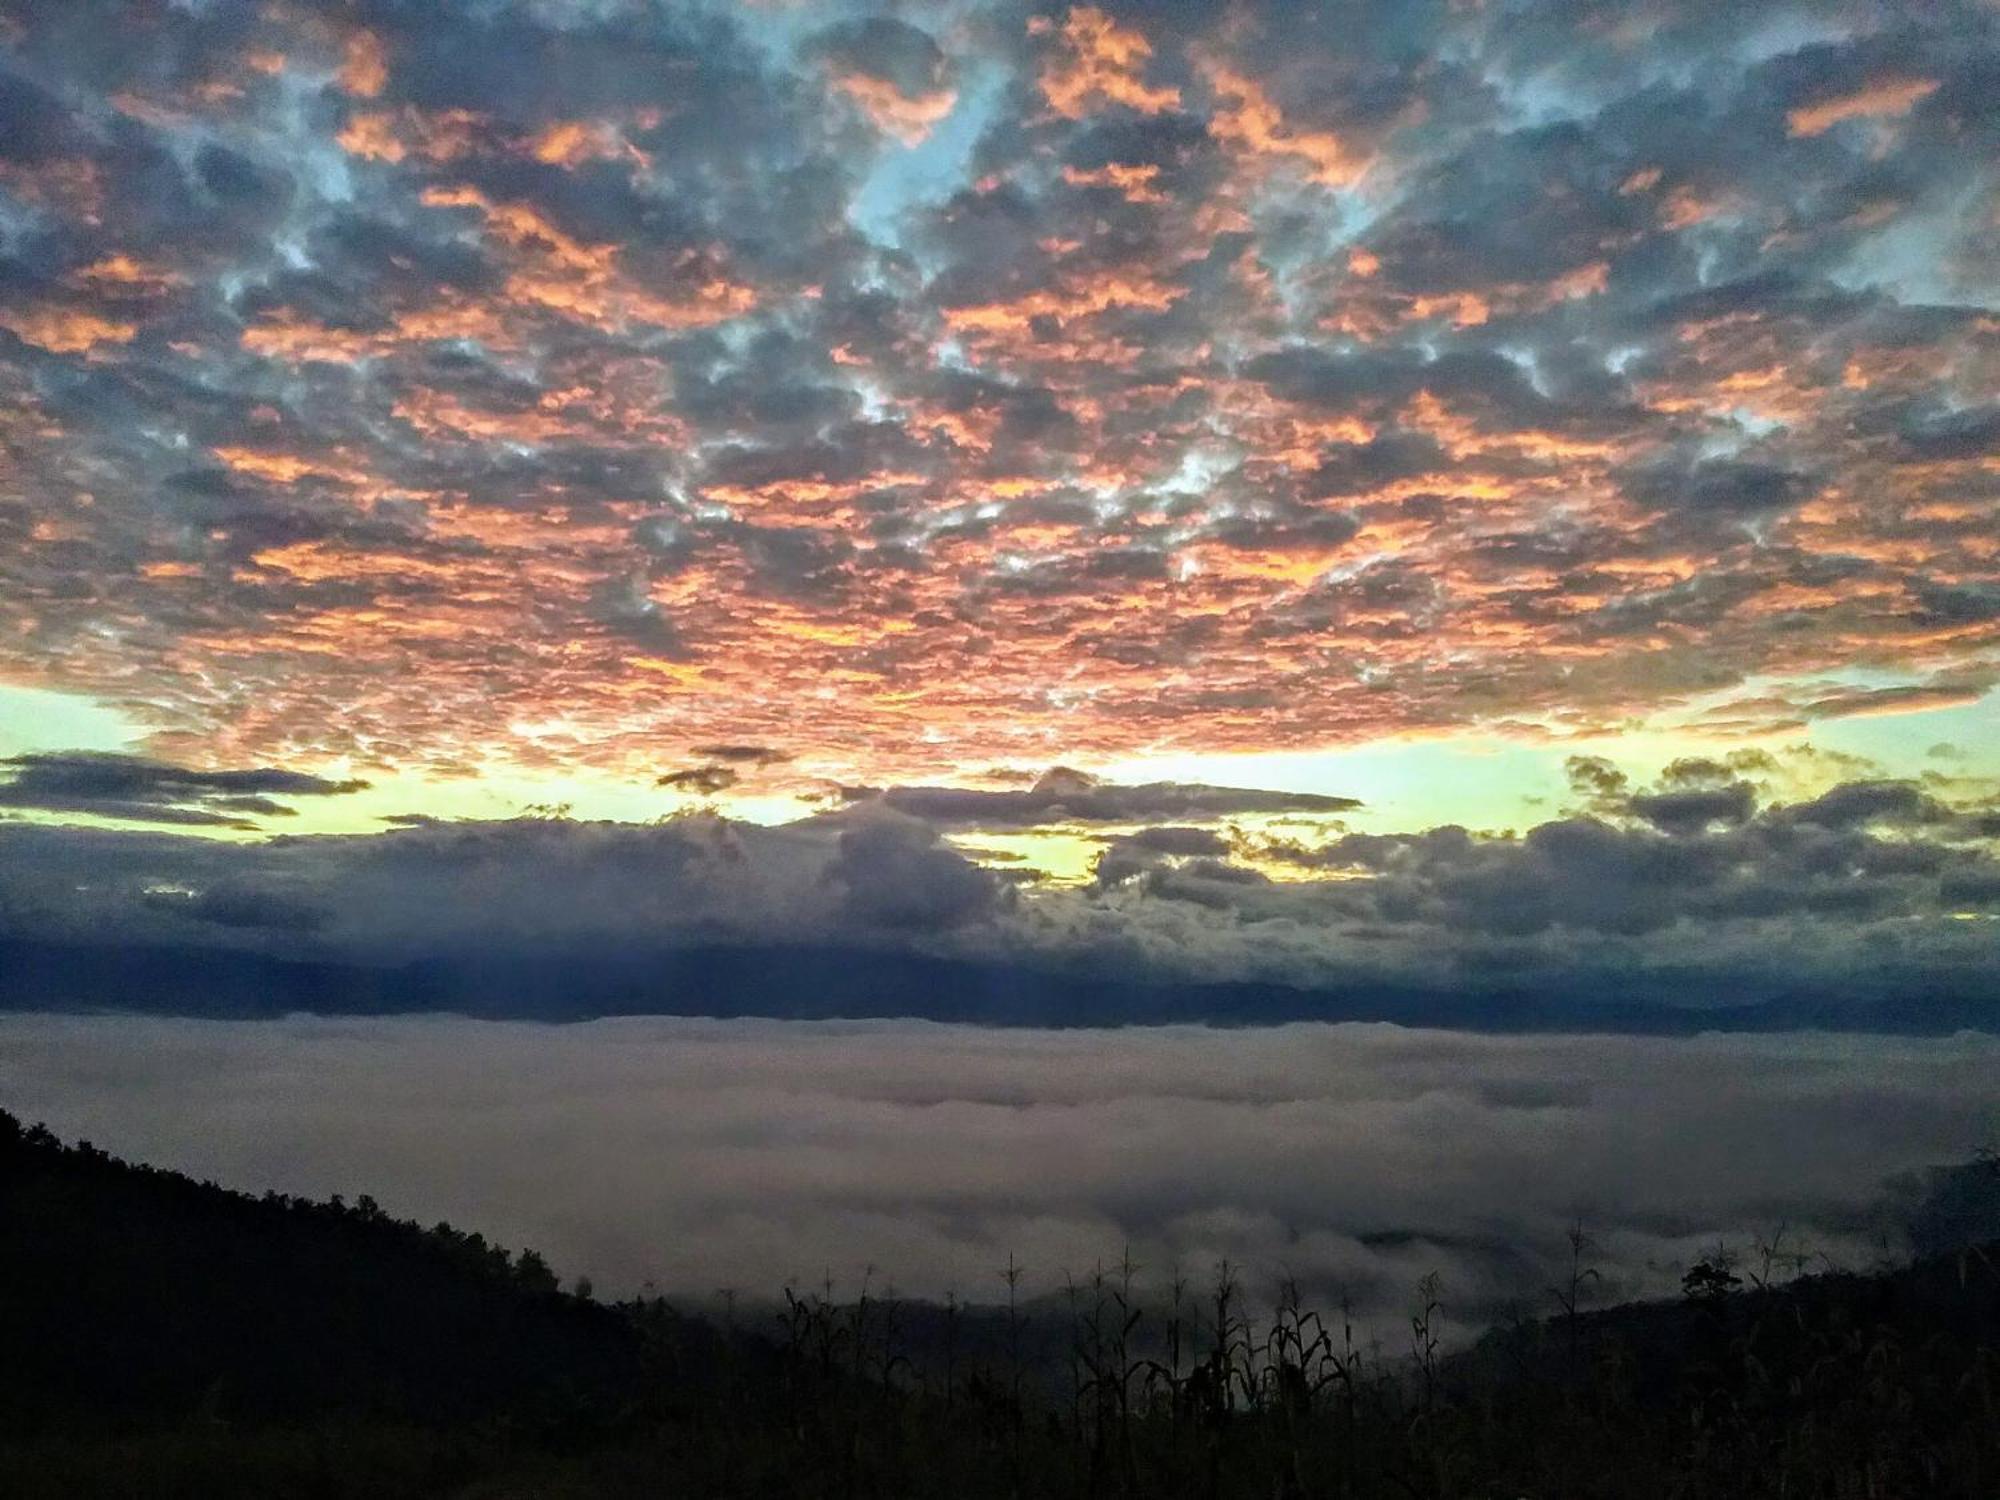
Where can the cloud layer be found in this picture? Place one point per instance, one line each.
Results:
(1873, 904)
(134, 789)
(396, 380)
(706, 1154)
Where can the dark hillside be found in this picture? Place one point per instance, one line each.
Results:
(131, 1293)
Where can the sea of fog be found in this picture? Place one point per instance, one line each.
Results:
(694, 1155)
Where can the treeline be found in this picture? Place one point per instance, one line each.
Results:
(165, 1337)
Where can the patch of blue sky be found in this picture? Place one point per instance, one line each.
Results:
(1901, 740)
(1403, 784)
(37, 721)
(903, 178)
(1910, 259)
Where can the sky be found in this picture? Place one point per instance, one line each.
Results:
(1459, 503)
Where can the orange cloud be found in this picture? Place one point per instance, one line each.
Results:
(1465, 309)
(73, 185)
(1065, 521)
(281, 468)
(364, 66)
(441, 135)
(1112, 290)
(63, 330)
(1684, 206)
(372, 136)
(1370, 314)
(131, 275)
(1245, 117)
(905, 117)
(1886, 702)
(1100, 62)
(585, 281)
(570, 142)
(1887, 96)
(1135, 182)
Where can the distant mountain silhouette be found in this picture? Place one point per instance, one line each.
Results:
(820, 982)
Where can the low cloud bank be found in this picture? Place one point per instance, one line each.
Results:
(702, 1154)
(1873, 905)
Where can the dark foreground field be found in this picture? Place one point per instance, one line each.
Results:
(164, 1337)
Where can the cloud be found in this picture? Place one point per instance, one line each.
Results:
(1697, 810)
(1712, 896)
(702, 1154)
(1887, 96)
(132, 788)
(894, 72)
(706, 780)
(898, 874)
(1718, 486)
(1063, 795)
(1596, 779)
(733, 754)
(1865, 802)
(1895, 700)
(1115, 375)
(532, 887)
(1170, 839)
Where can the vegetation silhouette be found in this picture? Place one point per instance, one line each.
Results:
(165, 1337)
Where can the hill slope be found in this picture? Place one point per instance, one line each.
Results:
(132, 1293)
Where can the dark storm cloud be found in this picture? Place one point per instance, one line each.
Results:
(1373, 381)
(1596, 780)
(34, 126)
(1142, 855)
(1350, 467)
(248, 907)
(887, 49)
(1928, 435)
(1695, 811)
(1063, 795)
(898, 874)
(537, 885)
(1864, 802)
(1286, 531)
(133, 788)
(1969, 604)
(1718, 486)
(1172, 839)
(1870, 904)
(707, 780)
(756, 755)
(1706, 859)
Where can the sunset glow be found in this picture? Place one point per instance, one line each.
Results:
(1490, 419)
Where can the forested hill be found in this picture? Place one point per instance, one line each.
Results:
(127, 1292)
